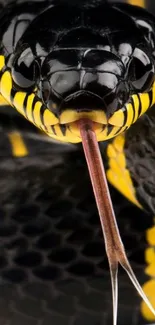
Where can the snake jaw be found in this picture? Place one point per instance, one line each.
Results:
(114, 247)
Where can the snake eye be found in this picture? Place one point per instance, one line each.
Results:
(141, 71)
(25, 70)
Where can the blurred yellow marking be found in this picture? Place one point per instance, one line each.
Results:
(140, 3)
(111, 152)
(150, 270)
(150, 236)
(122, 160)
(119, 143)
(150, 255)
(149, 289)
(118, 174)
(149, 286)
(19, 148)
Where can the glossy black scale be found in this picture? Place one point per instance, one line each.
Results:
(86, 55)
(14, 20)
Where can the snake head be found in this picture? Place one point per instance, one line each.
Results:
(90, 83)
(87, 80)
(84, 64)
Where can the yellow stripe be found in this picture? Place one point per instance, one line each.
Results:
(28, 108)
(114, 132)
(140, 3)
(5, 89)
(49, 118)
(3, 101)
(145, 102)
(36, 114)
(129, 115)
(6, 86)
(153, 94)
(19, 148)
(19, 101)
(117, 118)
(58, 130)
(67, 138)
(136, 106)
(2, 62)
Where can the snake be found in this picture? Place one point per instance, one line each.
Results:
(62, 62)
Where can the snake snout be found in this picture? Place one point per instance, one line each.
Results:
(82, 104)
(82, 101)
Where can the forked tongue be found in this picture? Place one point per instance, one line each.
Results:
(113, 243)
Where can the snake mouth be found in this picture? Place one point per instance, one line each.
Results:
(123, 116)
(105, 128)
(67, 129)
